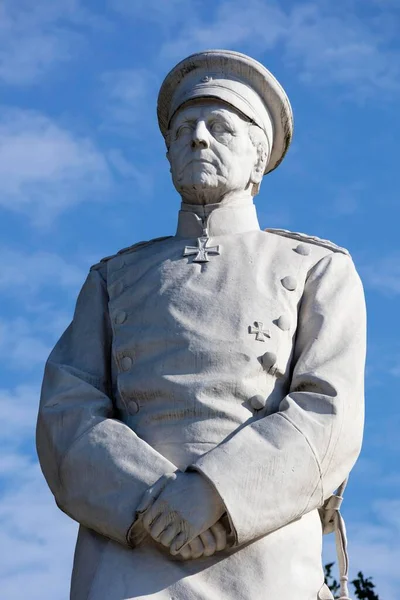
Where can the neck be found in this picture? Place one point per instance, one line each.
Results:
(214, 197)
(234, 215)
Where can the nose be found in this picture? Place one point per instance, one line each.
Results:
(200, 137)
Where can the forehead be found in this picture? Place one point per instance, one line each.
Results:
(205, 108)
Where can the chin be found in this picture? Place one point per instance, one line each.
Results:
(200, 187)
(200, 181)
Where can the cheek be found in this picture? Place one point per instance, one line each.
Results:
(223, 153)
(244, 158)
(177, 156)
(235, 162)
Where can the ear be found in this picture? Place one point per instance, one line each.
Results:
(167, 140)
(169, 160)
(257, 172)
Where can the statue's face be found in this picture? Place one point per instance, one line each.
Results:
(210, 151)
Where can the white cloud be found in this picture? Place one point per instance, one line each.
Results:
(159, 11)
(30, 272)
(44, 168)
(36, 538)
(49, 320)
(128, 108)
(37, 36)
(344, 47)
(31, 40)
(373, 549)
(20, 346)
(250, 23)
(44, 286)
(383, 274)
(125, 100)
(18, 410)
(141, 177)
(39, 291)
(344, 200)
(345, 203)
(395, 369)
(323, 43)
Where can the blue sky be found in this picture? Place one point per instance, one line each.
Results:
(83, 173)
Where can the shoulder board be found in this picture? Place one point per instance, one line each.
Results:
(311, 239)
(128, 249)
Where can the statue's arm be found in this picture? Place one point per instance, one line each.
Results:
(282, 466)
(96, 467)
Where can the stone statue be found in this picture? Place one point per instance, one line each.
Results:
(206, 401)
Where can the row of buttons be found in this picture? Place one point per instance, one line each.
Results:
(126, 361)
(290, 282)
(269, 359)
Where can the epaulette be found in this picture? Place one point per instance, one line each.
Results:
(128, 249)
(311, 239)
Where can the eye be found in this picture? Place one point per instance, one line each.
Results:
(183, 130)
(219, 128)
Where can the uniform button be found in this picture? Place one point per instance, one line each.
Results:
(283, 323)
(133, 407)
(268, 360)
(303, 249)
(119, 288)
(126, 363)
(257, 402)
(289, 283)
(120, 317)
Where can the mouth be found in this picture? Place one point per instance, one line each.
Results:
(201, 160)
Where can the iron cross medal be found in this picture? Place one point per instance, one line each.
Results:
(259, 331)
(202, 250)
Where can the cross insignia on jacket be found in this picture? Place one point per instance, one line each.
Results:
(261, 334)
(202, 250)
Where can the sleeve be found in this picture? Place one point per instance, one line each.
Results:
(286, 464)
(96, 466)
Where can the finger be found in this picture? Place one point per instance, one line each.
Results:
(196, 548)
(219, 533)
(158, 526)
(152, 493)
(186, 553)
(178, 543)
(151, 514)
(209, 542)
(169, 534)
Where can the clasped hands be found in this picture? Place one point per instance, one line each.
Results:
(181, 511)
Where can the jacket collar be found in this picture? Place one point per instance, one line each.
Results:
(236, 216)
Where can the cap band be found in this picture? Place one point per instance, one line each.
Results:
(234, 92)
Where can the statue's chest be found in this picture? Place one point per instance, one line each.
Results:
(199, 348)
(244, 299)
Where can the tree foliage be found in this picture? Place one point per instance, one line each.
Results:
(363, 587)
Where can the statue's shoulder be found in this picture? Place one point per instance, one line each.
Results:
(128, 250)
(308, 239)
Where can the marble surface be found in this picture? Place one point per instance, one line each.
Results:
(207, 398)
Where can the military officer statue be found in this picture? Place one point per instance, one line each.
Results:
(206, 401)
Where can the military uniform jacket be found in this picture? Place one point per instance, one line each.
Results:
(248, 368)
